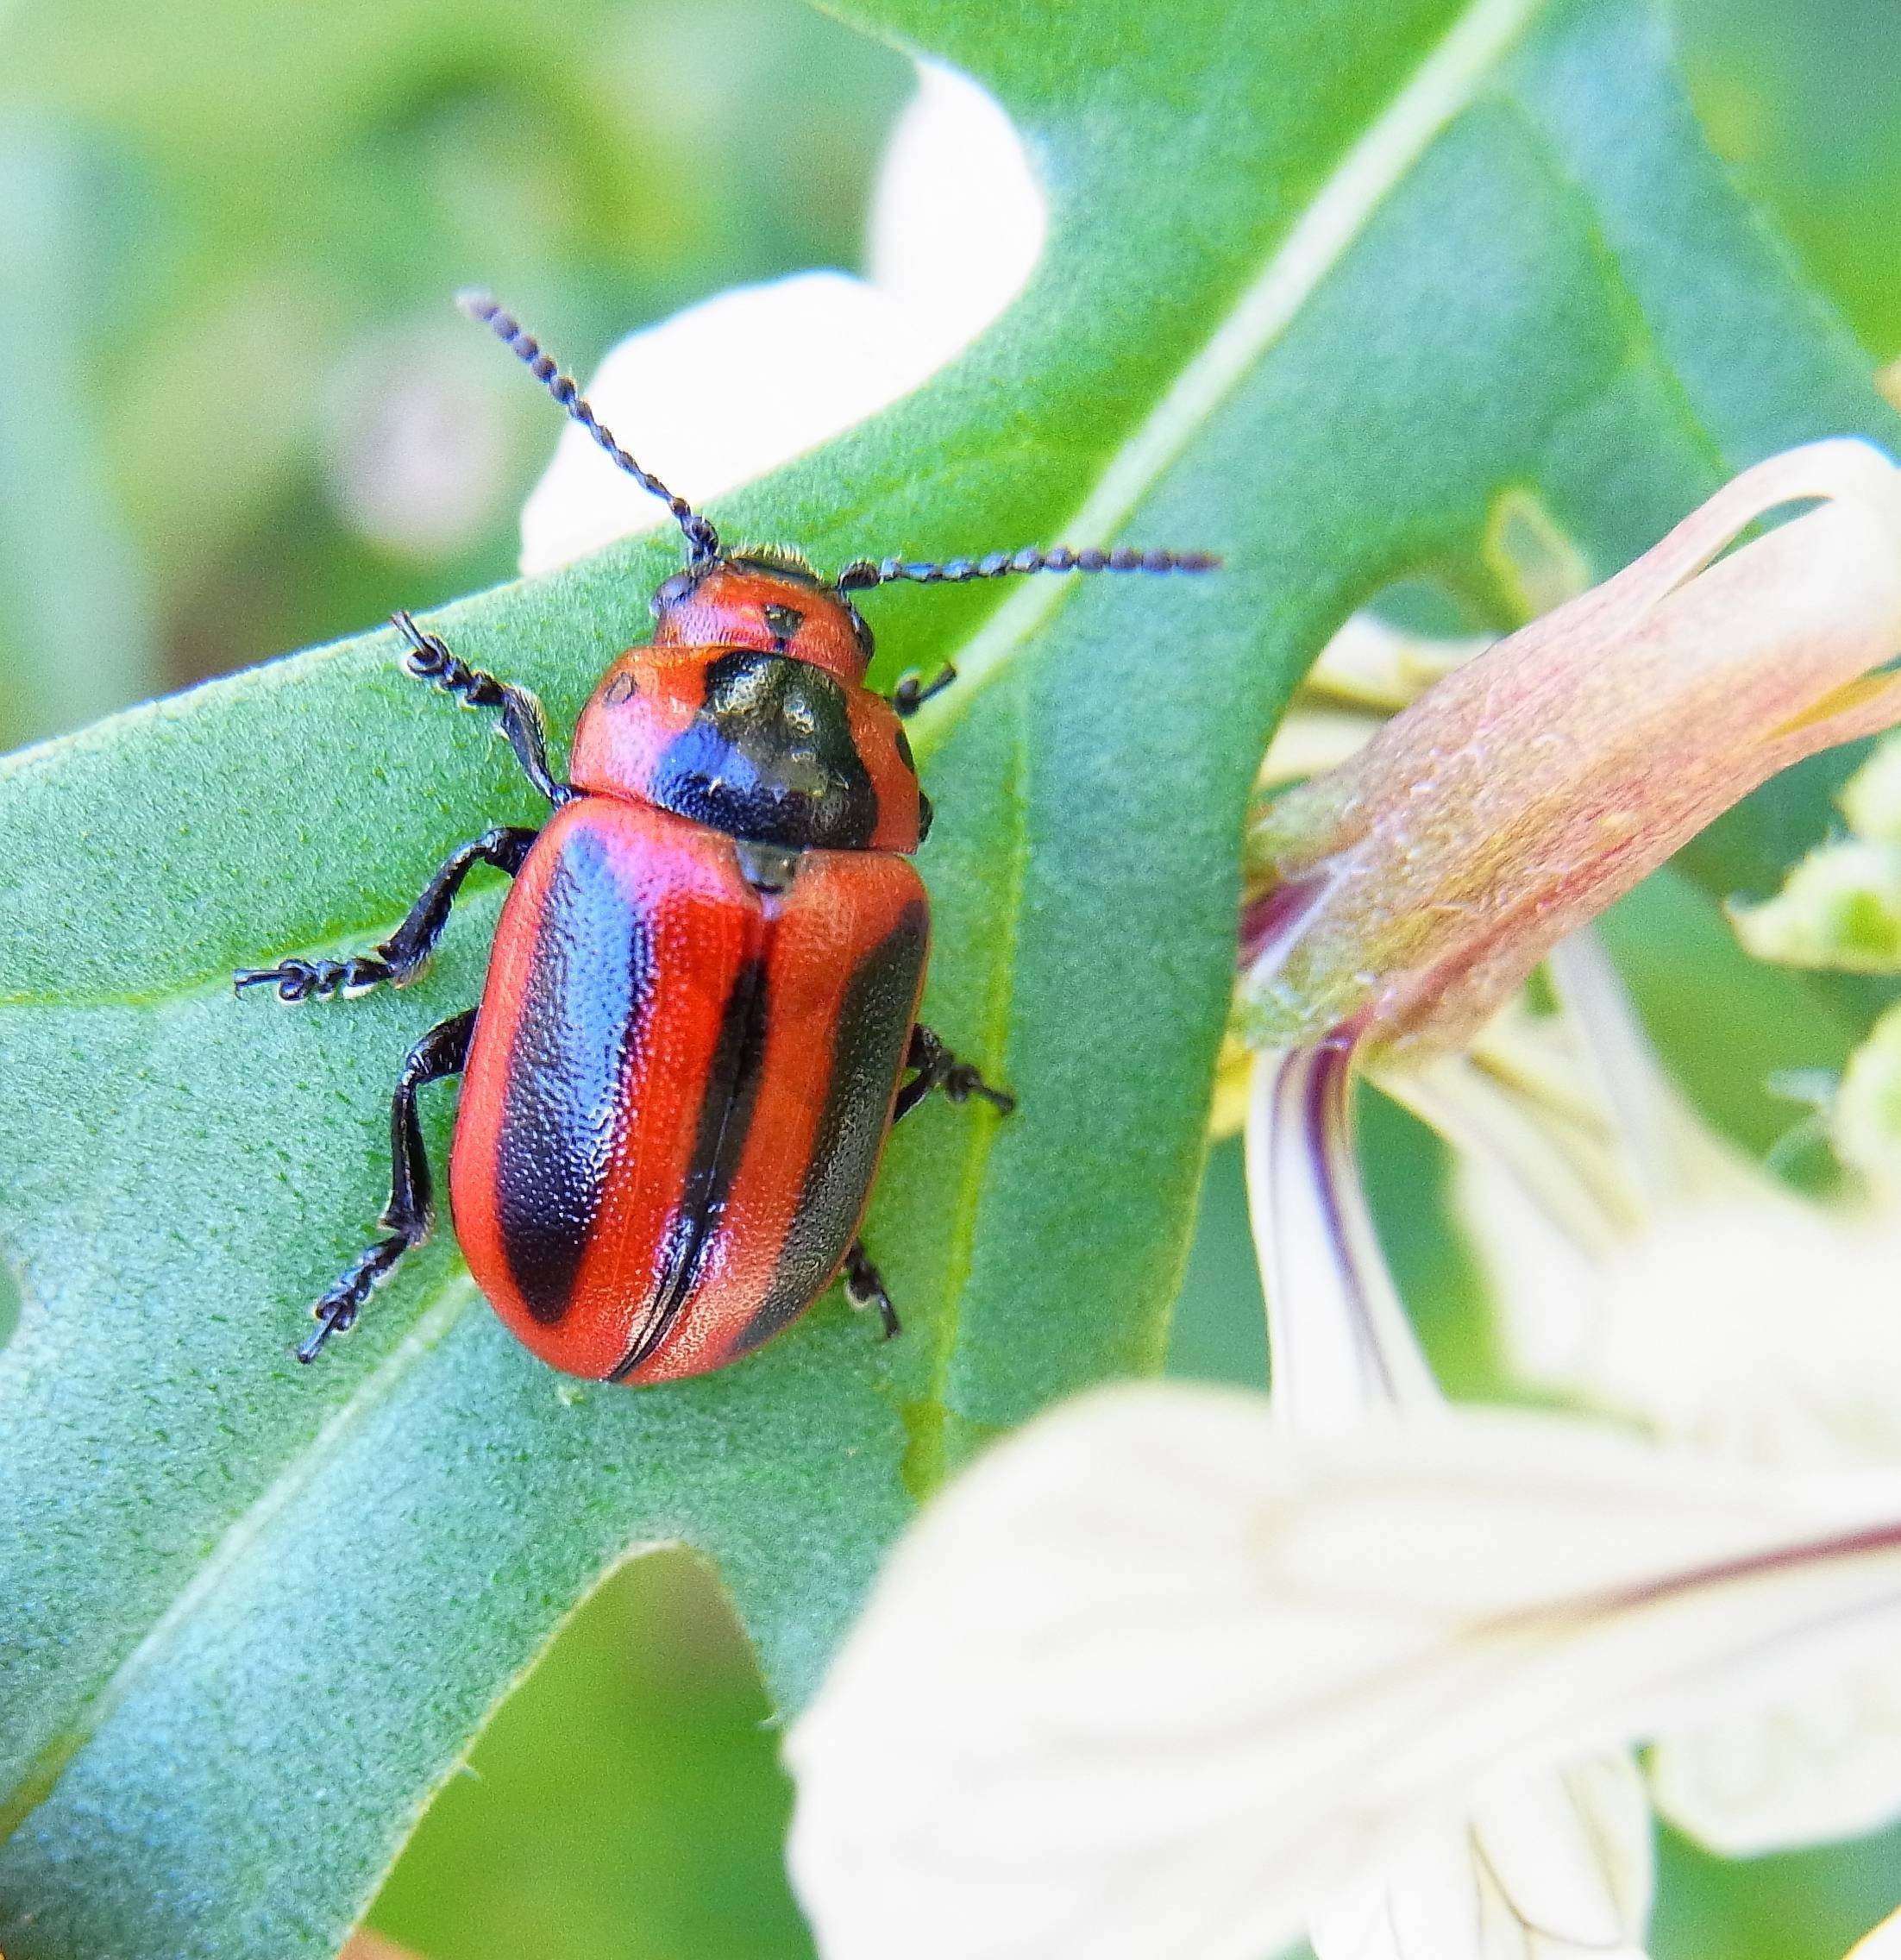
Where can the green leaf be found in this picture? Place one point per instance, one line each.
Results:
(1324, 282)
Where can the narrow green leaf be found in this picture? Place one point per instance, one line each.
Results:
(1324, 282)
(75, 633)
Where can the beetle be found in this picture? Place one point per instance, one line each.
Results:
(700, 1021)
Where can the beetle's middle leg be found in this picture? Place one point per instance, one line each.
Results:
(937, 1069)
(401, 956)
(410, 1211)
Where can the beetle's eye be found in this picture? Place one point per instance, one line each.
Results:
(785, 620)
(671, 592)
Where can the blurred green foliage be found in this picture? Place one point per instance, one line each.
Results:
(228, 228)
(1803, 101)
(230, 231)
(627, 1801)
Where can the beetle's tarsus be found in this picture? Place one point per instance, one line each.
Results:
(337, 1312)
(865, 1289)
(937, 1069)
(912, 691)
(405, 952)
(960, 1081)
(410, 1211)
(298, 980)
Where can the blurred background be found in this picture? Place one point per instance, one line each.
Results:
(239, 416)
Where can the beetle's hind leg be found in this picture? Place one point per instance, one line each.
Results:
(403, 954)
(410, 1211)
(938, 1070)
(865, 1288)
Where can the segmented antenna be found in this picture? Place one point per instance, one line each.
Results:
(857, 577)
(702, 540)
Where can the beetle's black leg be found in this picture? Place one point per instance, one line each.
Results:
(522, 721)
(401, 956)
(412, 1210)
(912, 692)
(938, 1069)
(864, 1288)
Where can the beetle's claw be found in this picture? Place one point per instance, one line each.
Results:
(961, 1082)
(332, 1317)
(316, 979)
(865, 1289)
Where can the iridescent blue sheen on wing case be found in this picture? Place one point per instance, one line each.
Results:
(702, 994)
(704, 1129)
(580, 1036)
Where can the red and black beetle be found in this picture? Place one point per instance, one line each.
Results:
(701, 1006)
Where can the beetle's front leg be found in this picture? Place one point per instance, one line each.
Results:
(401, 956)
(428, 659)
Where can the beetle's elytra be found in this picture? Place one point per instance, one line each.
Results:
(700, 1017)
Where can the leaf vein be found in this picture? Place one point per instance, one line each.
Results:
(1441, 88)
(229, 1557)
(961, 1256)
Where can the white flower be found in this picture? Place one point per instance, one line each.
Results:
(1559, 1861)
(732, 388)
(1178, 1674)
(1883, 1943)
(1645, 1270)
(1175, 1672)
(1157, 1678)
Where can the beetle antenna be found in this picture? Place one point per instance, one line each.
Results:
(862, 572)
(702, 540)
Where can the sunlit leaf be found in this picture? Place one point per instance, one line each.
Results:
(1322, 283)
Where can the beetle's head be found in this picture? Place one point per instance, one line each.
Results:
(771, 601)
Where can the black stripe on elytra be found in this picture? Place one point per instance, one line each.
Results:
(769, 757)
(574, 1041)
(726, 1118)
(873, 1034)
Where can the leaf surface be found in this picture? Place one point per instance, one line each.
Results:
(1324, 282)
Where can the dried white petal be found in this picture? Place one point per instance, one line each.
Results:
(1156, 1677)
